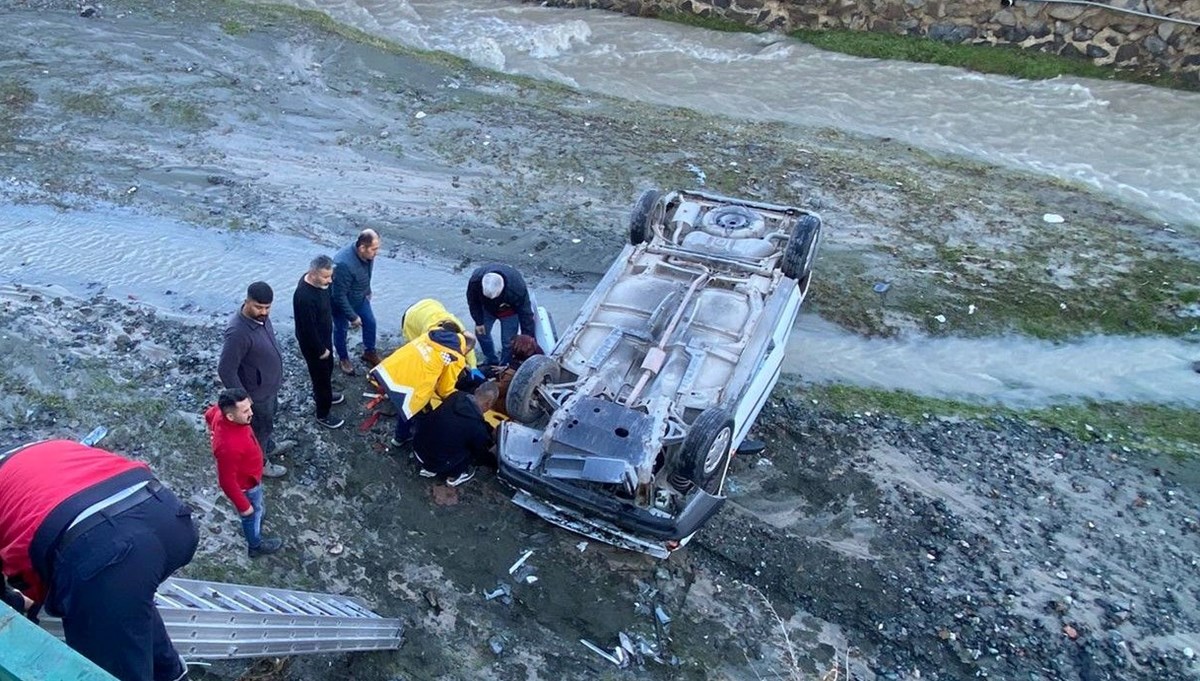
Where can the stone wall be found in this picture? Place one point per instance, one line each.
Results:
(1103, 35)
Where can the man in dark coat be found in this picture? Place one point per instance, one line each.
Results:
(90, 535)
(497, 292)
(251, 361)
(351, 297)
(454, 438)
(313, 312)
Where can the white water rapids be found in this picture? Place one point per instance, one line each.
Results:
(1137, 143)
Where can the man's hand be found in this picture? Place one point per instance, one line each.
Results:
(325, 354)
(480, 330)
(248, 512)
(356, 323)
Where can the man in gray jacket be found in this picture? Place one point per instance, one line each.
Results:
(251, 361)
(351, 297)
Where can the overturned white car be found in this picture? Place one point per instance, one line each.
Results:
(624, 432)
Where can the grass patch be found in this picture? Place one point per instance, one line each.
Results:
(184, 114)
(15, 96)
(95, 104)
(999, 59)
(710, 22)
(234, 27)
(1149, 428)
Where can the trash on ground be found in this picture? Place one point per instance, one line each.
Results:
(601, 652)
(520, 561)
(530, 579)
(661, 615)
(497, 645)
(337, 549)
(1053, 219)
(582, 546)
(501, 590)
(940, 319)
(95, 436)
(420, 114)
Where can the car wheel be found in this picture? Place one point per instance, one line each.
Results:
(802, 248)
(645, 211)
(705, 451)
(521, 401)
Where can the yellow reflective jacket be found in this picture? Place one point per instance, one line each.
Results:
(422, 370)
(423, 315)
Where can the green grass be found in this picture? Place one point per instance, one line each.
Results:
(234, 27)
(93, 104)
(1149, 428)
(712, 23)
(15, 96)
(999, 59)
(180, 113)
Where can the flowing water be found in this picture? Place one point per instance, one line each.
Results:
(201, 273)
(1136, 143)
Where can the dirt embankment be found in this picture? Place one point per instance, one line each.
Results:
(945, 548)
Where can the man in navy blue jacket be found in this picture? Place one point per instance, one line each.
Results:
(497, 293)
(351, 294)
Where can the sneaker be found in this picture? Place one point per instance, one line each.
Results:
(273, 470)
(371, 358)
(266, 547)
(282, 447)
(346, 367)
(400, 443)
(463, 477)
(332, 422)
(426, 473)
(338, 398)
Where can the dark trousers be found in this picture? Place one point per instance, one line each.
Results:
(263, 423)
(321, 373)
(104, 582)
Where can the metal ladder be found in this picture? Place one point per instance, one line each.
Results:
(212, 620)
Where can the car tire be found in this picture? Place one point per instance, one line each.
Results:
(521, 400)
(706, 449)
(642, 216)
(734, 222)
(802, 248)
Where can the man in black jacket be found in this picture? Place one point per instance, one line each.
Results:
(497, 292)
(250, 360)
(453, 438)
(313, 313)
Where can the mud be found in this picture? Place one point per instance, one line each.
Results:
(944, 549)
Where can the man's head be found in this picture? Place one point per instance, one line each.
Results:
(320, 271)
(259, 297)
(235, 405)
(486, 394)
(367, 245)
(523, 347)
(493, 285)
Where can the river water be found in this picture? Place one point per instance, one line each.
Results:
(1133, 142)
(201, 274)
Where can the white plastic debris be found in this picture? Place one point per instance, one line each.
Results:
(419, 115)
(940, 319)
(582, 546)
(1053, 219)
(530, 579)
(600, 651)
(520, 561)
(971, 308)
(575, 241)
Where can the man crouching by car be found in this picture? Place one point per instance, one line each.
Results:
(455, 437)
(91, 535)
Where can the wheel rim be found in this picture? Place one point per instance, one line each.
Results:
(717, 451)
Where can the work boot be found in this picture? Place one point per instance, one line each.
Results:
(371, 358)
(338, 398)
(273, 470)
(331, 422)
(346, 367)
(266, 547)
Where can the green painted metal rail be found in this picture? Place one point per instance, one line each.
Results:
(29, 653)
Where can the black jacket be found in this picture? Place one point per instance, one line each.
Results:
(250, 358)
(313, 310)
(514, 297)
(453, 435)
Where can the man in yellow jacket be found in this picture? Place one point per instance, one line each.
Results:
(423, 316)
(426, 368)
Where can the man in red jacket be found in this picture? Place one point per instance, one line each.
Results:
(90, 535)
(240, 465)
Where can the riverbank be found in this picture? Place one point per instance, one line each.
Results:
(952, 546)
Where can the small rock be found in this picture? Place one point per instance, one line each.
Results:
(336, 550)
(1053, 219)
(1189, 653)
(1061, 574)
(1070, 632)
(87, 11)
(419, 115)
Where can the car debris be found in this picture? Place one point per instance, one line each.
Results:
(620, 661)
(502, 591)
(520, 561)
(95, 436)
(661, 615)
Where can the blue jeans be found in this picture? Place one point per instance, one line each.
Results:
(252, 524)
(341, 326)
(509, 326)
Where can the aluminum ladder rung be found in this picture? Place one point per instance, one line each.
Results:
(211, 620)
